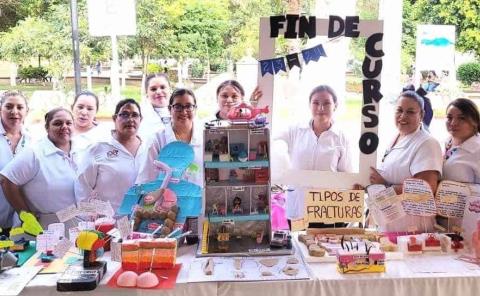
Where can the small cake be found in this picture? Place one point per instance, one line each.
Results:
(316, 251)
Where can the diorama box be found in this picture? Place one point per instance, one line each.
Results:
(237, 191)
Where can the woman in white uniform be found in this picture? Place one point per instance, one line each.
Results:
(41, 178)
(13, 139)
(462, 150)
(86, 130)
(230, 93)
(182, 106)
(115, 160)
(156, 114)
(414, 153)
(461, 161)
(316, 145)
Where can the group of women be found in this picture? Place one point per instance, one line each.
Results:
(77, 160)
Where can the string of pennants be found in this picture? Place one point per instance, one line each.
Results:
(273, 66)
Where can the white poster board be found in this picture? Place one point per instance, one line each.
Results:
(111, 17)
(368, 144)
(435, 50)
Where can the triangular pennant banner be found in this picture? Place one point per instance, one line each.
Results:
(266, 66)
(313, 54)
(293, 60)
(279, 64)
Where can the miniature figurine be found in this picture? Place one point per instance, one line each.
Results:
(215, 209)
(237, 206)
(233, 176)
(262, 150)
(262, 203)
(223, 238)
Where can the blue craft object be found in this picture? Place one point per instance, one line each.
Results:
(179, 157)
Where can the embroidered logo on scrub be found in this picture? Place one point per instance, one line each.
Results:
(112, 153)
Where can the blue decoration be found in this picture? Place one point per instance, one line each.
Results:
(313, 54)
(266, 67)
(178, 156)
(440, 42)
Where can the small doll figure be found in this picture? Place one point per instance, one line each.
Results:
(262, 203)
(237, 206)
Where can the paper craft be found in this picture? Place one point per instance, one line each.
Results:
(14, 280)
(451, 198)
(30, 223)
(87, 208)
(58, 265)
(167, 277)
(62, 247)
(178, 156)
(386, 206)
(470, 218)
(46, 241)
(124, 226)
(418, 198)
(86, 225)
(103, 207)
(73, 233)
(67, 213)
(226, 269)
(58, 229)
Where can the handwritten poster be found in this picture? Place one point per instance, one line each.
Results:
(451, 198)
(418, 198)
(387, 206)
(329, 206)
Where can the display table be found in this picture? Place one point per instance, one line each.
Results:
(402, 278)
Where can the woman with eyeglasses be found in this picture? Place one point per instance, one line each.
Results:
(86, 130)
(156, 114)
(230, 93)
(414, 153)
(316, 145)
(182, 106)
(14, 138)
(41, 178)
(110, 167)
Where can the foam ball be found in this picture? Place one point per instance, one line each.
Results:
(147, 280)
(127, 279)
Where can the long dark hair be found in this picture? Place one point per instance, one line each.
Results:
(469, 110)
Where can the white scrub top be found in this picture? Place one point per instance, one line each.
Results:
(46, 175)
(462, 163)
(193, 174)
(96, 134)
(6, 211)
(331, 151)
(152, 121)
(415, 153)
(107, 172)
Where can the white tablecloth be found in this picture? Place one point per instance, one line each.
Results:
(402, 278)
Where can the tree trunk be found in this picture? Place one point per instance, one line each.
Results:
(39, 61)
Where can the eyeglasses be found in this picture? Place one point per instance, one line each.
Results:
(127, 115)
(180, 107)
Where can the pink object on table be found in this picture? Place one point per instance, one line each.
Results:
(279, 217)
(476, 241)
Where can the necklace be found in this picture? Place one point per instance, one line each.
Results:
(184, 138)
(9, 142)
